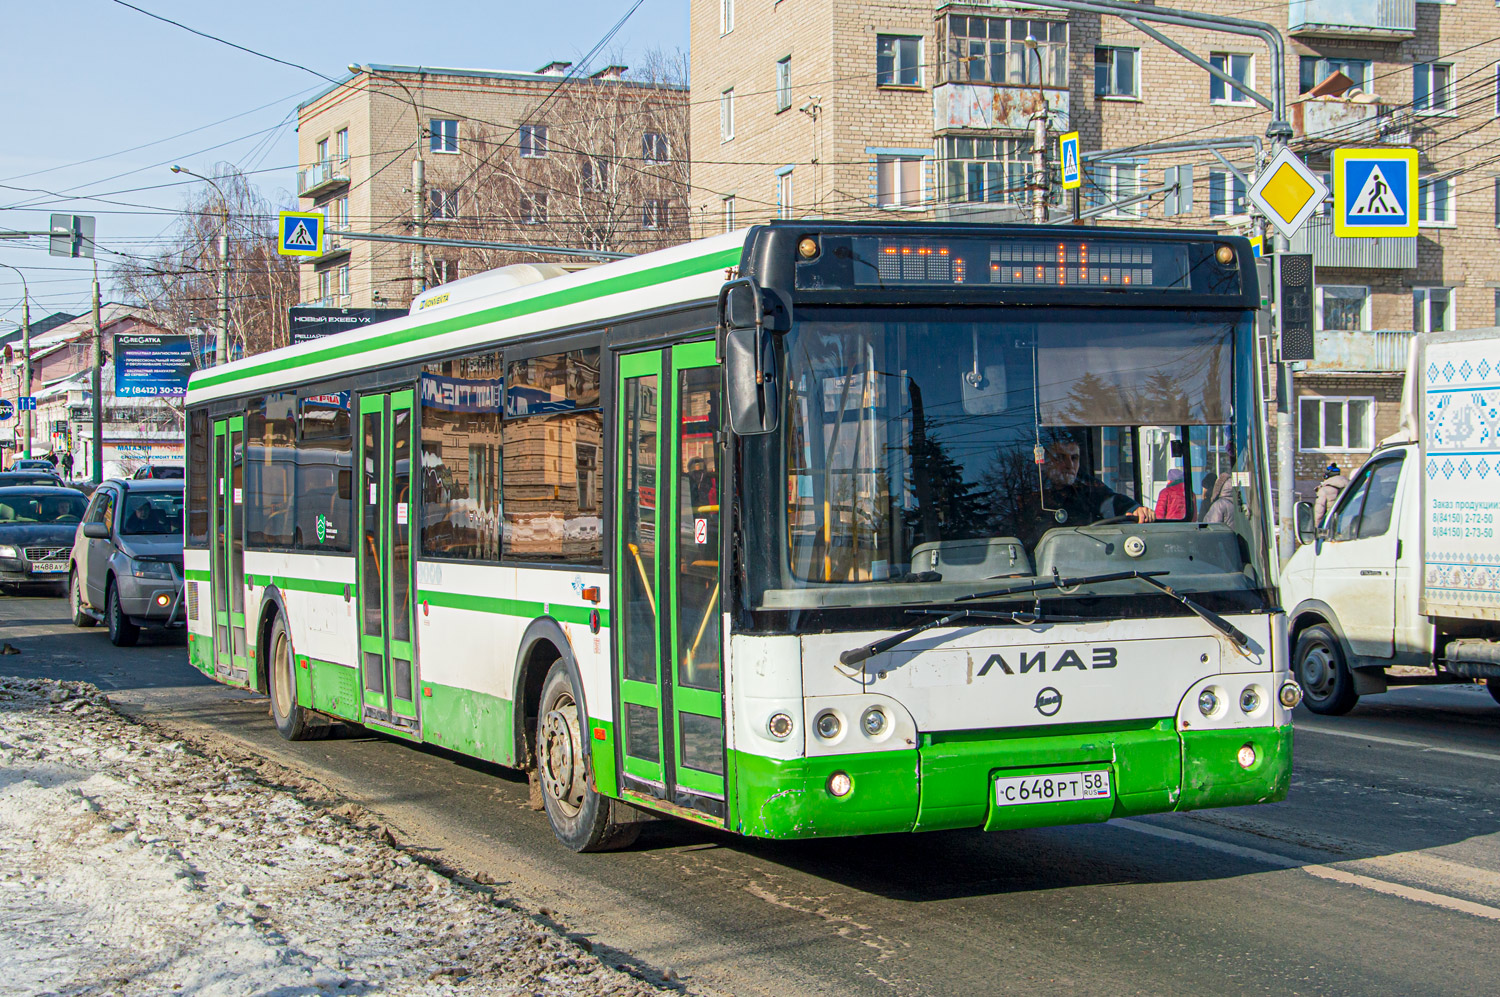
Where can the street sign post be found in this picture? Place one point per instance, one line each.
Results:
(301, 233)
(1067, 158)
(72, 236)
(1287, 192)
(27, 403)
(1374, 192)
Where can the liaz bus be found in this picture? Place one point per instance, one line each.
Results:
(810, 529)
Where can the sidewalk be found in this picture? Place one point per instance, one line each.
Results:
(131, 866)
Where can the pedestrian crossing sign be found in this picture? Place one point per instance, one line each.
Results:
(301, 233)
(1374, 192)
(1067, 155)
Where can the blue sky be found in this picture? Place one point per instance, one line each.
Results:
(91, 78)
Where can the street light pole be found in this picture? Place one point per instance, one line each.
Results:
(25, 391)
(221, 352)
(418, 186)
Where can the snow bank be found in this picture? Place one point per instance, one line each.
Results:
(130, 865)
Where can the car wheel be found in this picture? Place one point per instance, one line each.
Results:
(579, 816)
(1318, 663)
(81, 618)
(122, 633)
(292, 722)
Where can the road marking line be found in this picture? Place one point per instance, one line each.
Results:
(1412, 893)
(1488, 756)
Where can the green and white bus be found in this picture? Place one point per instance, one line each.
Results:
(810, 529)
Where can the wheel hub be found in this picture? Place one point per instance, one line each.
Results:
(1318, 672)
(281, 678)
(560, 759)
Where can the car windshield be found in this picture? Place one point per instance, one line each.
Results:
(152, 513)
(11, 478)
(957, 453)
(41, 507)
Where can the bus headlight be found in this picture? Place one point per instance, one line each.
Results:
(1208, 702)
(874, 722)
(779, 726)
(1246, 755)
(1291, 695)
(1250, 700)
(839, 784)
(828, 726)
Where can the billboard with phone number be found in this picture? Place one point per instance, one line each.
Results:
(152, 365)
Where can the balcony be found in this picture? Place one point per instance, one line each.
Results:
(1380, 352)
(1328, 250)
(1370, 19)
(320, 178)
(1359, 121)
(982, 105)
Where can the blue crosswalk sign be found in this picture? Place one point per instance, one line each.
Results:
(1067, 155)
(1374, 192)
(301, 233)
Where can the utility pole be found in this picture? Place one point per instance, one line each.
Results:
(96, 392)
(26, 361)
(1038, 142)
(221, 351)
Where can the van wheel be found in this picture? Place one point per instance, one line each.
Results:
(1319, 665)
(81, 617)
(579, 816)
(122, 633)
(1493, 685)
(292, 722)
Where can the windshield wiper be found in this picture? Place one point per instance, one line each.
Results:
(1057, 581)
(1213, 619)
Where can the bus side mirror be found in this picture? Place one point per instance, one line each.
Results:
(1307, 530)
(747, 315)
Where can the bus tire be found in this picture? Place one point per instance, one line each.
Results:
(579, 816)
(81, 617)
(292, 722)
(122, 633)
(1318, 663)
(1493, 685)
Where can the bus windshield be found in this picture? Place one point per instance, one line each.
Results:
(929, 453)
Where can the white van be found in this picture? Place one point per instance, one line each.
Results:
(1405, 568)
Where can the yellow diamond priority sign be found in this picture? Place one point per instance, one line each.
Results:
(1287, 192)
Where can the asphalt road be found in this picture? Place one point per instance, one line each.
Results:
(1380, 874)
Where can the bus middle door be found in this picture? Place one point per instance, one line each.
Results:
(387, 662)
(231, 655)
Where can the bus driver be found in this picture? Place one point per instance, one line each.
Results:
(1070, 496)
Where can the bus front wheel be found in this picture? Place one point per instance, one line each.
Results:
(292, 722)
(579, 816)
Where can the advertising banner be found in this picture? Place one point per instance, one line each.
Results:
(308, 324)
(152, 365)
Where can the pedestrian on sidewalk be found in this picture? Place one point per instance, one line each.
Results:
(1334, 482)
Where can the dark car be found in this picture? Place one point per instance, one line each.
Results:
(37, 525)
(33, 464)
(46, 479)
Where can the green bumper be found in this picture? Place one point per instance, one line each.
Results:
(948, 781)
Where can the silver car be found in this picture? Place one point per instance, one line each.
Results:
(127, 559)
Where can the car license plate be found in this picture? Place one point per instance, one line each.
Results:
(1061, 788)
(47, 567)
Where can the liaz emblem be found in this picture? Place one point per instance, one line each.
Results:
(1099, 657)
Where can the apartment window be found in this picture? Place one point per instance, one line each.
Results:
(337, 213)
(994, 50)
(1226, 194)
(1117, 72)
(1335, 424)
(1435, 201)
(898, 181)
(533, 141)
(1497, 89)
(898, 60)
(1432, 309)
(783, 84)
(1112, 182)
(1343, 309)
(728, 208)
(533, 208)
(654, 148)
(341, 144)
(1315, 69)
(726, 115)
(344, 280)
(322, 151)
(443, 135)
(444, 271)
(784, 192)
(325, 284)
(987, 170)
(1497, 306)
(597, 173)
(1240, 67)
(1432, 86)
(726, 16)
(654, 214)
(442, 205)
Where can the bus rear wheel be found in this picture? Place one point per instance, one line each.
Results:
(579, 816)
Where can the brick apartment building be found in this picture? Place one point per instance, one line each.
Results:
(885, 108)
(536, 158)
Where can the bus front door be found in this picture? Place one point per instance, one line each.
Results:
(386, 658)
(666, 577)
(231, 655)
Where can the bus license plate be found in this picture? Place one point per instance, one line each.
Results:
(46, 567)
(1060, 788)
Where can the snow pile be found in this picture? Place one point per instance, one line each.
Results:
(130, 865)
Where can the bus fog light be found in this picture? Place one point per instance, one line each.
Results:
(1246, 755)
(839, 784)
(1208, 702)
(874, 721)
(828, 726)
(1291, 695)
(779, 726)
(1250, 699)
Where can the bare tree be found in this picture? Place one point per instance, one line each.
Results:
(602, 165)
(179, 286)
